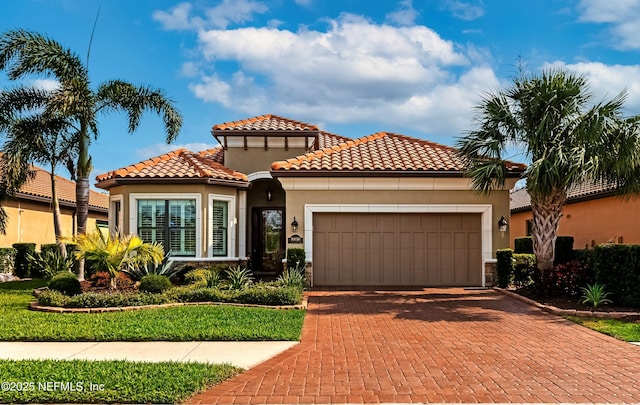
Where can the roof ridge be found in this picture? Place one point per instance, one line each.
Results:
(123, 171)
(204, 161)
(264, 117)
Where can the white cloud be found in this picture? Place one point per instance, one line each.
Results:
(224, 14)
(45, 84)
(355, 71)
(406, 14)
(623, 17)
(606, 81)
(463, 9)
(161, 148)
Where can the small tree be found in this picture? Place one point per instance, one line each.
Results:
(117, 253)
(568, 139)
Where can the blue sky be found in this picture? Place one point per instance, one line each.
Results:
(353, 67)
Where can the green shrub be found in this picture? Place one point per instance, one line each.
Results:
(523, 245)
(292, 278)
(238, 278)
(198, 276)
(267, 295)
(50, 262)
(524, 267)
(100, 300)
(618, 266)
(66, 283)
(504, 267)
(52, 298)
(7, 260)
(295, 258)
(155, 283)
(22, 263)
(564, 250)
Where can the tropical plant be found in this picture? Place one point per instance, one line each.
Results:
(24, 53)
(34, 136)
(238, 278)
(117, 253)
(567, 137)
(51, 262)
(164, 268)
(595, 295)
(292, 278)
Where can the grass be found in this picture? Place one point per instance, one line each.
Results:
(187, 323)
(106, 381)
(627, 331)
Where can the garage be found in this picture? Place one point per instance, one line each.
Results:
(397, 249)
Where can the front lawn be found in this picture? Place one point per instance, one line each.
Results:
(198, 322)
(79, 381)
(627, 331)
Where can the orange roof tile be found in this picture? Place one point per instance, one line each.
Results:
(521, 200)
(40, 186)
(326, 139)
(268, 122)
(178, 164)
(382, 151)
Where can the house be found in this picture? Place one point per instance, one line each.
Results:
(381, 210)
(593, 214)
(30, 211)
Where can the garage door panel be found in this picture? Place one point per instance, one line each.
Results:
(395, 249)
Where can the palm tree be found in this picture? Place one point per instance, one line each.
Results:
(117, 253)
(24, 53)
(42, 139)
(567, 138)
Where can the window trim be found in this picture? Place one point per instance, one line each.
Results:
(111, 214)
(231, 226)
(133, 209)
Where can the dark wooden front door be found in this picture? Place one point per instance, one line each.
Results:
(267, 240)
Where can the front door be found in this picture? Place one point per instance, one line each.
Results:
(268, 240)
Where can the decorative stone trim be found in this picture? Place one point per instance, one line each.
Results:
(571, 312)
(35, 307)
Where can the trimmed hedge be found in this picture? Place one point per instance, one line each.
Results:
(66, 283)
(154, 283)
(504, 267)
(258, 294)
(563, 248)
(523, 245)
(7, 260)
(618, 268)
(22, 263)
(524, 268)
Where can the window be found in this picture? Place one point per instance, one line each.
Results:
(529, 227)
(170, 222)
(219, 227)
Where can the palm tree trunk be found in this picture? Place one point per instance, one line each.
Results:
(57, 223)
(547, 211)
(82, 187)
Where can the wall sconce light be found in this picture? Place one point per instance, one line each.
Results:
(269, 194)
(294, 225)
(502, 224)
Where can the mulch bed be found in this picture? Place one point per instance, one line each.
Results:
(568, 302)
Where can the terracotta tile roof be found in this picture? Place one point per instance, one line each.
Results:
(268, 122)
(327, 140)
(40, 186)
(521, 200)
(382, 151)
(178, 164)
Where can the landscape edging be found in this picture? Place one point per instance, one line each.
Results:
(571, 312)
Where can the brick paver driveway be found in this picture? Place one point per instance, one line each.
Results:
(438, 345)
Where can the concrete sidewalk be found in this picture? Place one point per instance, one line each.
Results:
(240, 354)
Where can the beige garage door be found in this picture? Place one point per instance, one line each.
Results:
(397, 249)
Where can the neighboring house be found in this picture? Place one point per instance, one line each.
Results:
(30, 211)
(382, 210)
(593, 214)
